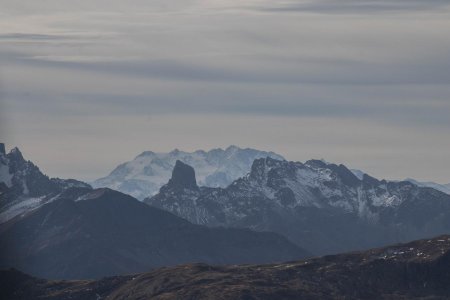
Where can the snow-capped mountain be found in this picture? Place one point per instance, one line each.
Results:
(143, 176)
(23, 186)
(445, 188)
(323, 207)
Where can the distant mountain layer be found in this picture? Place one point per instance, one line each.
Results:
(143, 176)
(417, 270)
(321, 206)
(445, 188)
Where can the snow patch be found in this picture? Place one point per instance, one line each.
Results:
(22, 206)
(5, 176)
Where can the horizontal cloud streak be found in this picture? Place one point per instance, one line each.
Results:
(330, 77)
(31, 36)
(436, 71)
(356, 6)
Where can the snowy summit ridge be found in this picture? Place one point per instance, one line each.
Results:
(144, 175)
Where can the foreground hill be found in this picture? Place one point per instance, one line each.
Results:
(416, 270)
(321, 206)
(85, 233)
(146, 173)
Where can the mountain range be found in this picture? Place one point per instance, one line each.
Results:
(417, 270)
(321, 206)
(144, 175)
(279, 210)
(56, 228)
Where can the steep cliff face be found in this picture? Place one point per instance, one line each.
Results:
(322, 207)
(183, 177)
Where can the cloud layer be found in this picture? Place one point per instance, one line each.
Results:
(361, 82)
(356, 6)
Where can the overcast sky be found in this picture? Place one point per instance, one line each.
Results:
(86, 85)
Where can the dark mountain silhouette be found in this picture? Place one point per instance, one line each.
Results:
(183, 177)
(86, 233)
(417, 270)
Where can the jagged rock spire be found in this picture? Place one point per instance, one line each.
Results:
(183, 176)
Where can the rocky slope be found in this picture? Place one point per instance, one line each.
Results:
(323, 207)
(144, 175)
(23, 187)
(85, 233)
(417, 270)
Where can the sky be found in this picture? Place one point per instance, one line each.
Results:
(86, 85)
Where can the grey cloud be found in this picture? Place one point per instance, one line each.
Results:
(30, 36)
(207, 74)
(38, 37)
(19, 46)
(435, 71)
(353, 102)
(357, 6)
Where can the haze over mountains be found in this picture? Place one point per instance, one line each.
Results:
(445, 188)
(145, 174)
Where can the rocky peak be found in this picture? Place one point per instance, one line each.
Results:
(346, 176)
(146, 154)
(232, 148)
(183, 176)
(258, 170)
(316, 163)
(15, 154)
(175, 151)
(267, 168)
(370, 181)
(21, 179)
